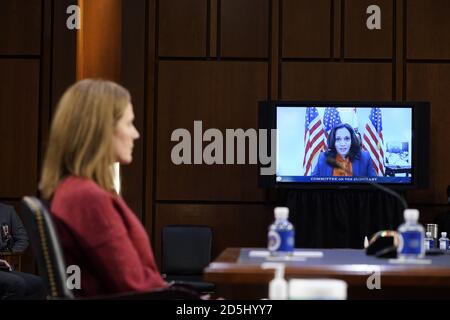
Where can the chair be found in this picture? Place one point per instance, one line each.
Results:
(50, 259)
(186, 251)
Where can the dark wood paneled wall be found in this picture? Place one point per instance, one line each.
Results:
(305, 29)
(20, 27)
(99, 39)
(215, 74)
(212, 60)
(244, 28)
(222, 95)
(37, 62)
(426, 76)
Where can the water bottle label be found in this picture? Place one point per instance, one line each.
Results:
(412, 242)
(443, 244)
(429, 244)
(282, 240)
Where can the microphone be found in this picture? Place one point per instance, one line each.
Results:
(334, 164)
(5, 231)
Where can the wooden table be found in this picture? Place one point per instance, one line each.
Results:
(238, 278)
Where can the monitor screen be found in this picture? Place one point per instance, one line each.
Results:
(344, 144)
(320, 144)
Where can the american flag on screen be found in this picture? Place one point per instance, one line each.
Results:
(373, 140)
(314, 139)
(331, 118)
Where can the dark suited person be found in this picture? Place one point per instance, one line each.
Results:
(19, 285)
(14, 238)
(13, 234)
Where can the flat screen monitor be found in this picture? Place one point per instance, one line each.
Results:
(335, 144)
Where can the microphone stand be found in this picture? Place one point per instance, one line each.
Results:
(391, 192)
(333, 163)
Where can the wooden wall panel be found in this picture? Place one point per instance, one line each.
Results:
(337, 32)
(336, 81)
(232, 225)
(306, 28)
(213, 27)
(45, 81)
(99, 40)
(360, 42)
(64, 48)
(19, 105)
(35, 64)
(182, 28)
(427, 29)
(433, 213)
(399, 50)
(431, 82)
(20, 27)
(134, 79)
(275, 52)
(244, 28)
(222, 95)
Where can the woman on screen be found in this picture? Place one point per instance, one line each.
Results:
(344, 156)
(92, 129)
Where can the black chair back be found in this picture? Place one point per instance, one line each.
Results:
(186, 251)
(52, 267)
(46, 247)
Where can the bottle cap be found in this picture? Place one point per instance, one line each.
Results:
(281, 212)
(317, 289)
(411, 214)
(428, 233)
(444, 234)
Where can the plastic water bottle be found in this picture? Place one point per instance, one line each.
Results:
(281, 234)
(411, 236)
(428, 241)
(443, 241)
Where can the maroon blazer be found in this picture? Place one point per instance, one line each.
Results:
(101, 235)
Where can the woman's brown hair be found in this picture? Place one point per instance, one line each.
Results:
(80, 141)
